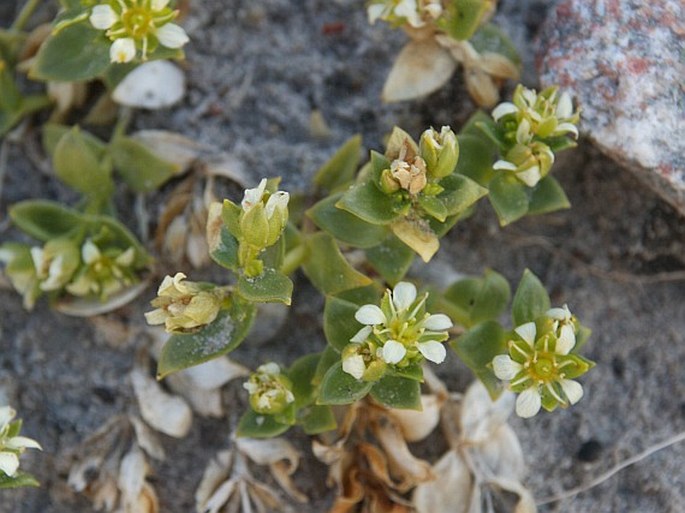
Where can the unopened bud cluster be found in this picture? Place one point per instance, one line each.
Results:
(270, 390)
(398, 333)
(528, 123)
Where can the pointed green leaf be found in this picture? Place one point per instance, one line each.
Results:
(270, 287)
(460, 193)
(557, 144)
(413, 371)
(392, 258)
(433, 206)
(479, 299)
(340, 169)
(141, 169)
(75, 53)
(345, 227)
(548, 196)
(78, 166)
(489, 38)
(20, 479)
(327, 268)
(53, 132)
(301, 374)
(256, 425)
(530, 301)
(398, 392)
(476, 156)
(367, 202)
(329, 357)
(339, 324)
(509, 198)
(45, 220)
(477, 347)
(318, 419)
(226, 333)
(338, 387)
(462, 18)
(225, 250)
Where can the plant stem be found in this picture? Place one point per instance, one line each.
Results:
(24, 15)
(293, 259)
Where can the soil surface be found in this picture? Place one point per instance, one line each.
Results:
(256, 71)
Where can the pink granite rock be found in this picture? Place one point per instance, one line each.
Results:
(624, 61)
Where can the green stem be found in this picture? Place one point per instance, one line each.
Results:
(293, 259)
(125, 115)
(24, 15)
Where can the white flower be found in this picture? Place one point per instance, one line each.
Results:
(172, 36)
(505, 368)
(393, 352)
(403, 295)
(122, 50)
(503, 109)
(438, 322)
(528, 403)
(12, 446)
(433, 351)
(278, 201)
(354, 365)
(370, 315)
(362, 335)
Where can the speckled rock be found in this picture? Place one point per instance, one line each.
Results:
(624, 62)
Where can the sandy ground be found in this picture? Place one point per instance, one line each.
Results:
(256, 70)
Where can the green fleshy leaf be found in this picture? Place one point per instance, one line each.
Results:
(582, 337)
(530, 300)
(340, 169)
(413, 371)
(398, 392)
(78, 166)
(371, 294)
(548, 196)
(270, 287)
(327, 268)
(419, 236)
(141, 169)
(369, 203)
(459, 195)
(344, 226)
(46, 220)
(392, 258)
(509, 198)
(380, 162)
(557, 144)
(477, 347)
(339, 324)
(318, 419)
(476, 155)
(76, 53)
(493, 132)
(256, 425)
(225, 252)
(489, 38)
(273, 256)
(328, 359)
(433, 207)
(19, 480)
(53, 132)
(223, 335)
(338, 387)
(301, 374)
(462, 18)
(475, 300)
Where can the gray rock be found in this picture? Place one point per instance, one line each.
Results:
(623, 60)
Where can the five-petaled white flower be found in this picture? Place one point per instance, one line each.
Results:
(136, 24)
(540, 366)
(399, 330)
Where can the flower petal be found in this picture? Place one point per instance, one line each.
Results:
(527, 332)
(253, 196)
(559, 314)
(122, 50)
(393, 352)
(362, 335)
(7, 413)
(103, 17)
(433, 351)
(503, 109)
(90, 252)
(158, 5)
(566, 340)
(403, 295)
(354, 366)
(370, 315)
(9, 463)
(278, 200)
(438, 322)
(528, 403)
(22, 442)
(504, 165)
(172, 36)
(565, 128)
(505, 368)
(530, 176)
(572, 389)
(374, 12)
(565, 106)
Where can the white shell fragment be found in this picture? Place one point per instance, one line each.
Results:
(168, 414)
(153, 85)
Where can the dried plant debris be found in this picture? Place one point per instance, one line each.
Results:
(228, 485)
(111, 467)
(373, 468)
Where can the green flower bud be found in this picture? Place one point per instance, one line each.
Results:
(184, 305)
(388, 184)
(440, 151)
(270, 391)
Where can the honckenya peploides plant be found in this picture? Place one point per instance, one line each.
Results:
(353, 235)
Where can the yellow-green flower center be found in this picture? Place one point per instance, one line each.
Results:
(137, 22)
